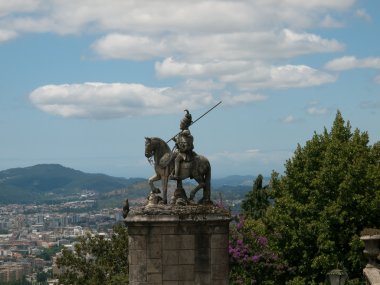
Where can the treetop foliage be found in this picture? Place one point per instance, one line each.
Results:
(96, 260)
(314, 213)
(256, 201)
(329, 193)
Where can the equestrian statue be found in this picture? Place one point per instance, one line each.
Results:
(181, 163)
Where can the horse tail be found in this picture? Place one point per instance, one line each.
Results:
(207, 189)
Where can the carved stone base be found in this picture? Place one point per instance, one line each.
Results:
(179, 197)
(153, 199)
(178, 245)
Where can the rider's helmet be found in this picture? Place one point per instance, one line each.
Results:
(186, 121)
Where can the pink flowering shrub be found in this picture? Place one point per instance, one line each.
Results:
(251, 259)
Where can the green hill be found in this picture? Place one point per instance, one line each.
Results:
(44, 181)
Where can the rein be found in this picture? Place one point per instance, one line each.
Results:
(151, 160)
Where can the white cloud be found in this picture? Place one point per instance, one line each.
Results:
(6, 35)
(247, 75)
(202, 30)
(351, 62)
(75, 16)
(256, 155)
(211, 48)
(208, 84)
(324, 4)
(303, 43)
(19, 6)
(103, 101)
(314, 110)
(130, 47)
(362, 13)
(330, 22)
(236, 156)
(170, 67)
(245, 98)
(280, 77)
(289, 119)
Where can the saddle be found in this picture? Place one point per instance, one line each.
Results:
(169, 157)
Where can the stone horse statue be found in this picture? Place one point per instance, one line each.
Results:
(198, 169)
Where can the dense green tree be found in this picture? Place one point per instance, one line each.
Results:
(96, 260)
(42, 277)
(257, 200)
(329, 192)
(48, 253)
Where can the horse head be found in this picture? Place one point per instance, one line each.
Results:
(155, 148)
(148, 147)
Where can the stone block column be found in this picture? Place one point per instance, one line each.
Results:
(178, 245)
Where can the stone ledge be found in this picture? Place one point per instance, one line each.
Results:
(372, 275)
(173, 213)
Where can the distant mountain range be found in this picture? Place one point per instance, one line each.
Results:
(35, 182)
(48, 182)
(234, 180)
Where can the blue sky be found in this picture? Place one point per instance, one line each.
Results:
(83, 82)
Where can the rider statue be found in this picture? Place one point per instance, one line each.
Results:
(179, 164)
(184, 145)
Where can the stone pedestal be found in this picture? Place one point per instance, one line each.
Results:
(178, 245)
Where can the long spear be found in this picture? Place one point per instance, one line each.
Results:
(192, 123)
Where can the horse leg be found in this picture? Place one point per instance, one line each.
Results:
(151, 180)
(207, 188)
(206, 182)
(165, 189)
(201, 184)
(164, 182)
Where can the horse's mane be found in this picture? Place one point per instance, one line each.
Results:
(162, 143)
